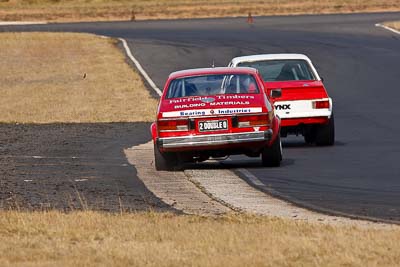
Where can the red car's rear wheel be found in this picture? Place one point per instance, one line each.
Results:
(271, 156)
(164, 161)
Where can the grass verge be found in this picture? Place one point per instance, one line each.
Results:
(68, 77)
(393, 24)
(150, 239)
(90, 10)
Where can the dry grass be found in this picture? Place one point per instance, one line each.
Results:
(89, 10)
(394, 25)
(149, 239)
(43, 80)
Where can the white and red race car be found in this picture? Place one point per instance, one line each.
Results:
(304, 106)
(215, 112)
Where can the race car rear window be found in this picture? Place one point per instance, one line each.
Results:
(282, 70)
(208, 85)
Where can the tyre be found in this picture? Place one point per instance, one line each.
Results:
(164, 161)
(271, 156)
(325, 135)
(309, 137)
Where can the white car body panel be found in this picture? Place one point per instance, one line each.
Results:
(302, 109)
(234, 62)
(298, 108)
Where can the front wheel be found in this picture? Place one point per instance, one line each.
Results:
(164, 161)
(325, 135)
(271, 156)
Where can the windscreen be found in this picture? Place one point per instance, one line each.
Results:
(208, 85)
(281, 70)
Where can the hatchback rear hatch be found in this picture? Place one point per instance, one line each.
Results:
(298, 90)
(213, 114)
(300, 99)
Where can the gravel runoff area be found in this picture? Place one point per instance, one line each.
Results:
(72, 166)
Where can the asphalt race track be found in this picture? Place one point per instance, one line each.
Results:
(360, 63)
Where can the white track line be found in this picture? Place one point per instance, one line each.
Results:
(250, 176)
(387, 28)
(139, 67)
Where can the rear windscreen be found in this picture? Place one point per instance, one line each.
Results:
(208, 85)
(281, 70)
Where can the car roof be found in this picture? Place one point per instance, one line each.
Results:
(269, 57)
(263, 57)
(208, 71)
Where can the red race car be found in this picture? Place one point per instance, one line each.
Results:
(215, 112)
(304, 107)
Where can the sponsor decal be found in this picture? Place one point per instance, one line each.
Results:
(208, 99)
(232, 110)
(205, 112)
(192, 113)
(226, 103)
(213, 104)
(193, 105)
(282, 106)
(223, 97)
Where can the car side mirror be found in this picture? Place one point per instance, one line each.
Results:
(322, 79)
(275, 93)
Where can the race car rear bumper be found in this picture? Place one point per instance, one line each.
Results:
(303, 121)
(214, 139)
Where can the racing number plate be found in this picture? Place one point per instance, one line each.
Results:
(217, 125)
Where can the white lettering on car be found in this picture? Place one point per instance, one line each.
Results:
(195, 105)
(223, 97)
(204, 112)
(213, 125)
(237, 103)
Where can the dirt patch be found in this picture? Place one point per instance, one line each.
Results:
(72, 166)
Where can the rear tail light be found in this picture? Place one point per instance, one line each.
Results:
(173, 125)
(321, 104)
(253, 120)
